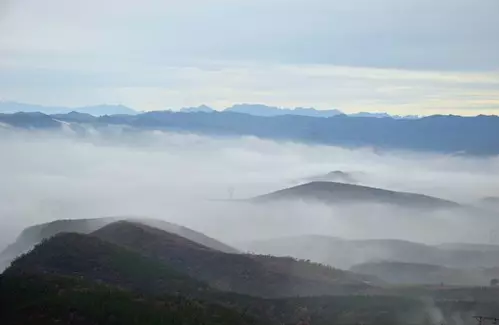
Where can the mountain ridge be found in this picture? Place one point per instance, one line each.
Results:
(334, 192)
(438, 133)
(252, 275)
(32, 235)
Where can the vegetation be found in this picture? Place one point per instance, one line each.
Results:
(86, 279)
(49, 299)
(247, 274)
(85, 256)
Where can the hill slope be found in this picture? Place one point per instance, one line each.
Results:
(79, 279)
(418, 274)
(344, 253)
(49, 299)
(332, 192)
(247, 274)
(34, 234)
(89, 257)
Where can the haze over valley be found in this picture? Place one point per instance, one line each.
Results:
(249, 162)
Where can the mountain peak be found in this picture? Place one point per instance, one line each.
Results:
(202, 108)
(264, 110)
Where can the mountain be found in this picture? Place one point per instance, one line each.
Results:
(46, 300)
(491, 202)
(334, 193)
(340, 252)
(345, 253)
(97, 110)
(446, 134)
(74, 116)
(246, 274)
(82, 280)
(31, 236)
(333, 176)
(202, 108)
(187, 233)
(85, 256)
(399, 273)
(263, 110)
(383, 115)
(30, 120)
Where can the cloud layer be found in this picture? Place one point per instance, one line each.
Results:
(175, 177)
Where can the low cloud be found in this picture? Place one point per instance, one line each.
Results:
(181, 177)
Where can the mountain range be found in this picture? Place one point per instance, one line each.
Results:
(127, 272)
(446, 134)
(33, 235)
(7, 107)
(252, 109)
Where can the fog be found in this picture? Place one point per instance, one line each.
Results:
(186, 179)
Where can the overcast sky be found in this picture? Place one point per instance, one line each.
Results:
(399, 56)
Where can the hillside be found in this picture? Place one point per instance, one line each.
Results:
(89, 257)
(420, 274)
(185, 232)
(80, 279)
(246, 274)
(34, 234)
(439, 133)
(49, 299)
(344, 253)
(332, 193)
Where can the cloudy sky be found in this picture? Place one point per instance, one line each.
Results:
(399, 56)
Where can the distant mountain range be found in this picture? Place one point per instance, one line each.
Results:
(97, 110)
(264, 110)
(448, 134)
(251, 109)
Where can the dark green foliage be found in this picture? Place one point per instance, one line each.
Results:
(92, 258)
(247, 274)
(47, 299)
(83, 280)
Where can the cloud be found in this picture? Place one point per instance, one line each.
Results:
(351, 89)
(171, 53)
(47, 176)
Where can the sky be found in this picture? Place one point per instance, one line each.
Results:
(404, 57)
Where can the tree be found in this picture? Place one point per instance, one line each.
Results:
(494, 282)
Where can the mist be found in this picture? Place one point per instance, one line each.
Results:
(187, 179)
